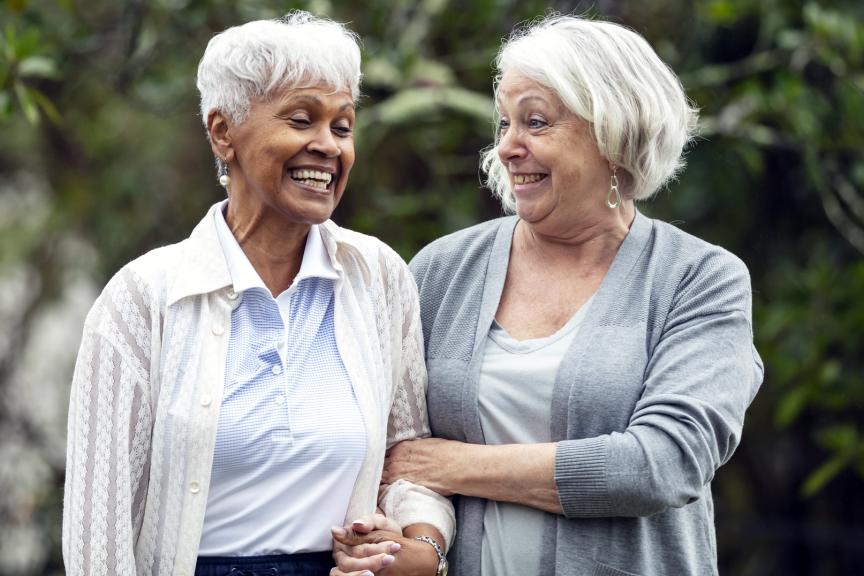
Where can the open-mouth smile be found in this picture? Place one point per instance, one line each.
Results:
(311, 178)
(528, 178)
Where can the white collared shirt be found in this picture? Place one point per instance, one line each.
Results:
(290, 437)
(148, 386)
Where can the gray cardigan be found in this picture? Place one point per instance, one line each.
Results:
(648, 403)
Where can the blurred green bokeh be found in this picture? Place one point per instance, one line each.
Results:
(103, 157)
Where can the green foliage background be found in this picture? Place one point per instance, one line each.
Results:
(98, 116)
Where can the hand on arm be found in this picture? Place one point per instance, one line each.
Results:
(519, 473)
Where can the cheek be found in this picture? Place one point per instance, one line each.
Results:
(347, 156)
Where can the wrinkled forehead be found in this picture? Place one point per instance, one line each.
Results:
(516, 89)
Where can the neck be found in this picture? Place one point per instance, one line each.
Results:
(273, 246)
(589, 243)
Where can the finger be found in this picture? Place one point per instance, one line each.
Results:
(351, 538)
(369, 549)
(364, 524)
(367, 523)
(346, 537)
(371, 563)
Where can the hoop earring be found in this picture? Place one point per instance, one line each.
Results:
(613, 197)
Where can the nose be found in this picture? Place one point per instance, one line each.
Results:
(510, 146)
(324, 143)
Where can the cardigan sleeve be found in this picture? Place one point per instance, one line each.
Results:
(403, 501)
(700, 378)
(109, 433)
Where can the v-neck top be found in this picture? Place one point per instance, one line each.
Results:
(517, 379)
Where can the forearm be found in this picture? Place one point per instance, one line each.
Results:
(519, 473)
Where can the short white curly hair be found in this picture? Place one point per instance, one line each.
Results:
(259, 58)
(609, 76)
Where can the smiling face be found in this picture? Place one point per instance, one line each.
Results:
(290, 158)
(556, 172)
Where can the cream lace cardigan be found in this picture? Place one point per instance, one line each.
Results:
(148, 385)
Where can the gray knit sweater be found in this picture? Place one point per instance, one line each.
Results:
(648, 403)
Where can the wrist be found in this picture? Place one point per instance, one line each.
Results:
(424, 558)
(455, 467)
(435, 563)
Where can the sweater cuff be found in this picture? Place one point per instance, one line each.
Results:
(580, 476)
(408, 504)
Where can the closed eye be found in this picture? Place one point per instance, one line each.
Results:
(342, 130)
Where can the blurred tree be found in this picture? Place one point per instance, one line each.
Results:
(104, 157)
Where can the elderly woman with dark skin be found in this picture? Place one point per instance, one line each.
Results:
(235, 393)
(589, 367)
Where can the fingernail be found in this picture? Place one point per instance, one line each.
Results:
(387, 560)
(395, 547)
(367, 573)
(359, 523)
(338, 531)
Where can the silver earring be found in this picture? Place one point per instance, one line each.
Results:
(222, 171)
(613, 197)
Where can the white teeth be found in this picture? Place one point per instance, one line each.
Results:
(527, 178)
(316, 176)
(313, 183)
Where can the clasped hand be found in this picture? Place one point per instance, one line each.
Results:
(374, 544)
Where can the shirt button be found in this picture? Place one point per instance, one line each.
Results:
(205, 400)
(276, 369)
(232, 295)
(194, 487)
(280, 399)
(217, 329)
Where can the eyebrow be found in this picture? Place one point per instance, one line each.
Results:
(313, 100)
(527, 97)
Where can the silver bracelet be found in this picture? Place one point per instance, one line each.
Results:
(442, 559)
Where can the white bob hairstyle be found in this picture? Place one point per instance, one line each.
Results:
(259, 58)
(610, 77)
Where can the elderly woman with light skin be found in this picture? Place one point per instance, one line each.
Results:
(589, 367)
(235, 393)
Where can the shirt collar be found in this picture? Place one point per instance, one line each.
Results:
(202, 265)
(316, 262)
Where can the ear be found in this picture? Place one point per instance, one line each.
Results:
(220, 140)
